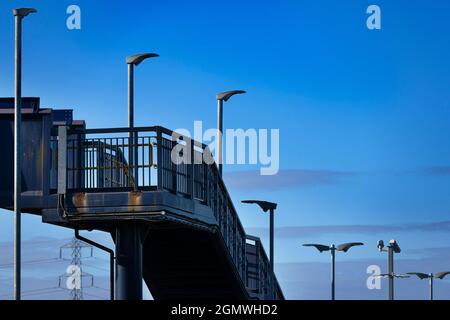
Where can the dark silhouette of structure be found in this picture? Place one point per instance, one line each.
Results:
(174, 225)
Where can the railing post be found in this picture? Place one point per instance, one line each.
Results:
(136, 159)
(192, 167)
(159, 158)
(174, 166)
(78, 164)
(245, 266)
(205, 182)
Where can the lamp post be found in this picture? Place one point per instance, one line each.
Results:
(268, 206)
(430, 277)
(133, 61)
(392, 248)
(221, 97)
(19, 14)
(333, 248)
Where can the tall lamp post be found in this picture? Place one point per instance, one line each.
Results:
(133, 61)
(19, 14)
(430, 277)
(268, 206)
(221, 97)
(392, 248)
(333, 248)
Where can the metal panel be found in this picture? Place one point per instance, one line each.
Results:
(62, 160)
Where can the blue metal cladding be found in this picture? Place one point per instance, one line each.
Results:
(32, 103)
(35, 137)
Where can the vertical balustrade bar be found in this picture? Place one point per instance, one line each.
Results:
(159, 158)
(192, 168)
(143, 182)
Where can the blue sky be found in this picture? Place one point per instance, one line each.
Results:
(363, 115)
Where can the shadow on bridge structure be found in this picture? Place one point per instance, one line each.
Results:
(173, 225)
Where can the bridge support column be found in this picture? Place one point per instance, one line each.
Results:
(129, 239)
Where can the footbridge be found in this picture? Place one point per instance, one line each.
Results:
(174, 225)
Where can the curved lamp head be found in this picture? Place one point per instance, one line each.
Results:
(228, 94)
(394, 245)
(138, 58)
(265, 205)
(380, 245)
(346, 246)
(319, 247)
(420, 275)
(441, 275)
(396, 275)
(401, 276)
(23, 12)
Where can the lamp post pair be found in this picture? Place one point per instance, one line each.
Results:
(222, 97)
(392, 248)
(333, 248)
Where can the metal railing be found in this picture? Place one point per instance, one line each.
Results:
(99, 159)
(260, 282)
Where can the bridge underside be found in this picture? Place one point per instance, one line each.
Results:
(183, 262)
(181, 258)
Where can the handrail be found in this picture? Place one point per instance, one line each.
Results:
(265, 261)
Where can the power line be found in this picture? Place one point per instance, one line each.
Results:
(32, 291)
(41, 293)
(95, 296)
(39, 261)
(77, 247)
(95, 267)
(100, 288)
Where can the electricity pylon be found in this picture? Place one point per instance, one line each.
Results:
(73, 279)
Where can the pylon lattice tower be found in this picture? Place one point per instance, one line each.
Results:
(74, 274)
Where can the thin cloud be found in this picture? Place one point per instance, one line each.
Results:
(308, 231)
(438, 171)
(252, 179)
(430, 252)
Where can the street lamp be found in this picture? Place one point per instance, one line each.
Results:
(221, 97)
(430, 277)
(19, 14)
(133, 61)
(342, 247)
(392, 248)
(268, 206)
